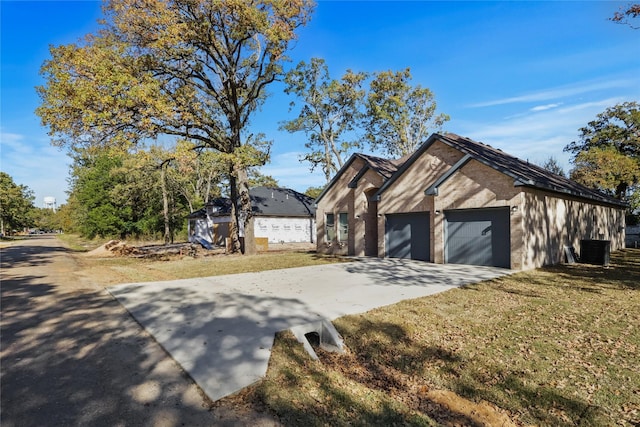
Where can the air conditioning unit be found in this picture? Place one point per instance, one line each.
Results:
(595, 252)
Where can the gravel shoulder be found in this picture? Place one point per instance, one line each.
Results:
(72, 355)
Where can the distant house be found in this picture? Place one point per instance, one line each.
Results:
(459, 201)
(280, 215)
(632, 236)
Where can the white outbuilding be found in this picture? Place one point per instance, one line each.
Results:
(281, 215)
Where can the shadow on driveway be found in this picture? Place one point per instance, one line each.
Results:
(71, 355)
(221, 329)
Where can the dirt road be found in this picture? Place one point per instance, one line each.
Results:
(72, 356)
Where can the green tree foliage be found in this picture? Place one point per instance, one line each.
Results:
(314, 192)
(145, 193)
(606, 169)
(552, 165)
(399, 116)
(147, 176)
(93, 183)
(330, 109)
(393, 115)
(16, 204)
(64, 218)
(257, 179)
(193, 69)
(114, 193)
(45, 219)
(607, 155)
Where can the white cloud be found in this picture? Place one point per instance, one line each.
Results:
(292, 173)
(560, 92)
(10, 138)
(537, 135)
(545, 107)
(33, 162)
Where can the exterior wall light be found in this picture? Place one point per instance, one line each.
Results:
(437, 211)
(514, 209)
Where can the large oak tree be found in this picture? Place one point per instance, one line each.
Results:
(190, 69)
(607, 154)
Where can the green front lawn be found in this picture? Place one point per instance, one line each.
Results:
(558, 346)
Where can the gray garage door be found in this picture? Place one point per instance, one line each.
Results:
(478, 237)
(407, 235)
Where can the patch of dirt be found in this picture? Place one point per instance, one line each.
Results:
(482, 412)
(444, 406)
(105, 250)
(245, 408)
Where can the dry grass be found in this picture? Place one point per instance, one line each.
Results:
(81, 244)
(555, 347)
(111, 271)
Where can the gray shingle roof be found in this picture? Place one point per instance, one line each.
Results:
(268, 201)
(524, 173)
(385, 167)
(281, 202)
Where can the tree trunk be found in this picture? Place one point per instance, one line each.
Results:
(234, 229)
(621, 190)
(247, 212)
(165, 204)
(241, 227)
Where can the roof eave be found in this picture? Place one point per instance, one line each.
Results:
(604, 199)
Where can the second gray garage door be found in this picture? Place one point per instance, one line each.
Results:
(478, 237)
(407, 235)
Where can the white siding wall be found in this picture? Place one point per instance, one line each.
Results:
(204, 230)
(203, 227)
(285, 229)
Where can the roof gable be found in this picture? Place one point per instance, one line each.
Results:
(383, 167)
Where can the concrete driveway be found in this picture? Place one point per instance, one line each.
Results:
(221, 329)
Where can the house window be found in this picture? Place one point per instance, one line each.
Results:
(330, 227)
(343, 231)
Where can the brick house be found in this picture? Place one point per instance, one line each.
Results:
(459, 201)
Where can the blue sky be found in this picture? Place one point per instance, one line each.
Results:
(520, 76)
